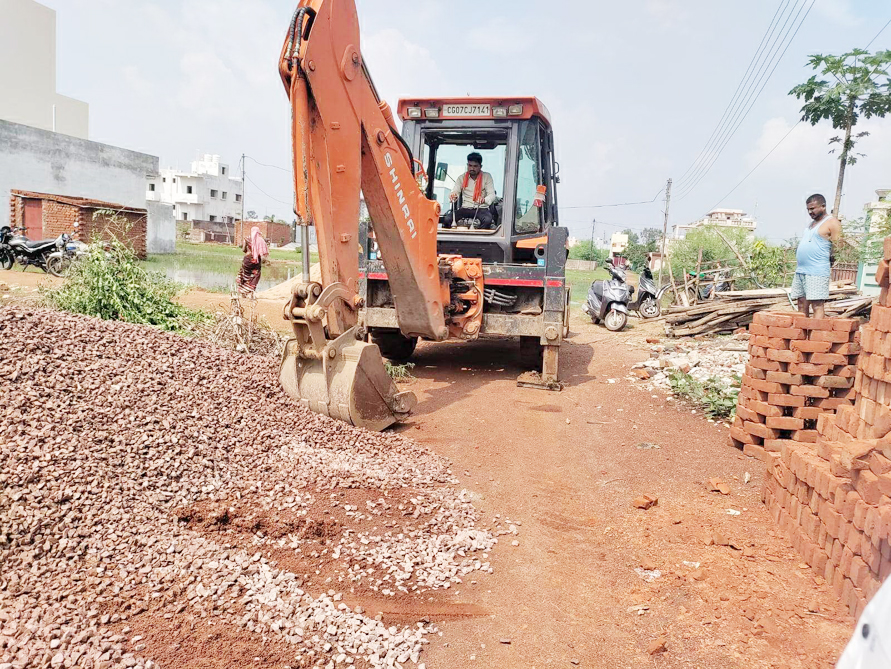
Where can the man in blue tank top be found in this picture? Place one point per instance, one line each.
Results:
(810, 286)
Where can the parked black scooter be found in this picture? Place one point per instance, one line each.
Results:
(608, 300)
(648, 302)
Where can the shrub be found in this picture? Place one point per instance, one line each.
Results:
(714, 396)
(109, 283)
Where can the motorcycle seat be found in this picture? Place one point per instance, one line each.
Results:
(33, 245)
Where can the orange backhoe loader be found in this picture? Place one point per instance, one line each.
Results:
(411, 273)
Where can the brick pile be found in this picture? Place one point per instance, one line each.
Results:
(799, 368)
(833, 497)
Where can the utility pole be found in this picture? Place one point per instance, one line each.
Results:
(243, 191)
(593, 222)
(664, 229)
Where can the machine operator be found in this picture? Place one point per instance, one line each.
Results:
(476, 190)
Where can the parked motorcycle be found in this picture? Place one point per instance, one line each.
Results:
(648, 302)
(51, 255)
(60, 261)
(608, 300)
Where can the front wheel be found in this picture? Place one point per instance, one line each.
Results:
(615, 320)
(650, 308)
(394, 345)
(58, 266)
(6, 260)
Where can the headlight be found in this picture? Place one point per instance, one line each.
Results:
(414, 112)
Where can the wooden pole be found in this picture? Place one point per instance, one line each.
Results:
(732, 248)
(698, 271)
(678, 298)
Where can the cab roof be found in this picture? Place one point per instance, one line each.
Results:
(532, 107)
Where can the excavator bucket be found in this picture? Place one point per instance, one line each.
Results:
(347, 381)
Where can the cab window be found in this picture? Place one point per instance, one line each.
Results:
(528, 216)
(445, 159)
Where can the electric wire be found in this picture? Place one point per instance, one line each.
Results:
(767, 155)
(762, 77)
(728, 136)
(275, 167)
(755, 57)
(290, 204)
(877, 35)
(618, 204)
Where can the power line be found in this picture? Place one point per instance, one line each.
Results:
(290, 204)
(728, 136)
(730, 192)
(275, 167)
(877, 35)
(619, 204)
(755, 57)
(742, 111)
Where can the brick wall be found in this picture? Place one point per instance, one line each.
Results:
(76, 217)
(129, 227)
(799, 368)
(59, 218)
(833, 497)
(274, 233)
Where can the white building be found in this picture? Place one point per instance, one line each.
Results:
(44, 145)
(721, 218)
(208, 192)
(28, 72)
(618, 243)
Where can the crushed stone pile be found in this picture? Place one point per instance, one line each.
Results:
(144, 476)
(722, 358)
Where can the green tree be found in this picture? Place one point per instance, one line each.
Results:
(685, 252)
(640, 245)
(860, 88)
(584, 250)
(651, 237)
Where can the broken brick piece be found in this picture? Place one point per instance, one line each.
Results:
(645, 502)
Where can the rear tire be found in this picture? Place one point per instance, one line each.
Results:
(615, 320)
(650, 308)
(394, 346)
(6, 260)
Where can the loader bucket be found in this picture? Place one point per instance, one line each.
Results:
(348, 382)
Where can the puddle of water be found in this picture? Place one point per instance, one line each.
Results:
(217, 274)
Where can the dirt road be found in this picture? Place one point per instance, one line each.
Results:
(565, 469)
(568, 466)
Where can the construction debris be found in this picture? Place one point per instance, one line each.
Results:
(721, 358)
(147, 479)
(731, 310)
(243, 329)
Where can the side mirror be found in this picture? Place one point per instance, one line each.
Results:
(442, 171)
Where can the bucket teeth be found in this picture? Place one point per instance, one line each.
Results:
(348, 382)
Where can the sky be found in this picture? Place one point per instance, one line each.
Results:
(634, 88)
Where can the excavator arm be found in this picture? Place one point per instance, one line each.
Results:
(345, 142)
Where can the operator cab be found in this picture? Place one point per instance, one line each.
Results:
(515, 140)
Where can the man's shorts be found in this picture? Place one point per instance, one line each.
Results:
(812, 288)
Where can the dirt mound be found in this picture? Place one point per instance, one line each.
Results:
(147, 477)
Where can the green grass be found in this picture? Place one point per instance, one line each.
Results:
(399, 372)
(216, 265)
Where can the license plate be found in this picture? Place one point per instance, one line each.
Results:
(475, 111)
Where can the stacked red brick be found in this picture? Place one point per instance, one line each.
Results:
(833, 498)
(798, 369)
